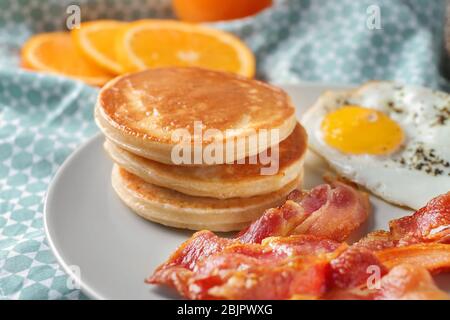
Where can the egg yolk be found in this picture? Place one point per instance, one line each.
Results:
(358, 130)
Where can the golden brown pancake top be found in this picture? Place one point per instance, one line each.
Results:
(152, 103)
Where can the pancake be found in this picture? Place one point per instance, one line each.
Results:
(219, 181)
(141, 111)
(178, 210)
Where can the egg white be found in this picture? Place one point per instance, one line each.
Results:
(420, 112)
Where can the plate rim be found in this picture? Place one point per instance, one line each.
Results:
(85, 288)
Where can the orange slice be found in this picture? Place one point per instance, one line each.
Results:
(161, 43)
(95, 39)
(56, 53)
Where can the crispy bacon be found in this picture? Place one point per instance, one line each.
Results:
(344, 211)
(331, 211)
(421, 239)
(201, 244)
(275, 281)
(359, 273)
(302, 267)
(435, 257)
(278, 268)
(354, 267)
(403, 282)
(302, 245)
(178, 268)
(376, 240)
(279, 221)
(427, 225)
(324, 199)
(263, 262)
(407, 282)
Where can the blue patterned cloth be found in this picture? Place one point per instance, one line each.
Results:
(44, 117)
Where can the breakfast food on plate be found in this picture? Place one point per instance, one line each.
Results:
(142, 112)
(256, 146)
(162, 43)
(43, 52)
(391, 139)
(179, 210)
(219, 181)
(307, 263)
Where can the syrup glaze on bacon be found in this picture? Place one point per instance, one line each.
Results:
(281, 257)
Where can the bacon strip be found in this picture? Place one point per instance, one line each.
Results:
(281, 221)
(354, 267)
(278, 268)
(275, 282)
(176, 271)
(201, 244)
(407, 282)
(429, 224)
(344, 211)
(403, 282)
(435, 257)
(356, 273)
(303, 245)
(300, 267)
(419, 239)
(376, 240)
(257, 265)
(331, 211)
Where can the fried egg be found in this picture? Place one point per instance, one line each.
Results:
(392, 139)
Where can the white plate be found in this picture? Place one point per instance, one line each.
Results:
(110, 250)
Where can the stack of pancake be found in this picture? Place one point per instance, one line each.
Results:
(141, 113)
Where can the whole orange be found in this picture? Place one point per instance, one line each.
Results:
(215, 10)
